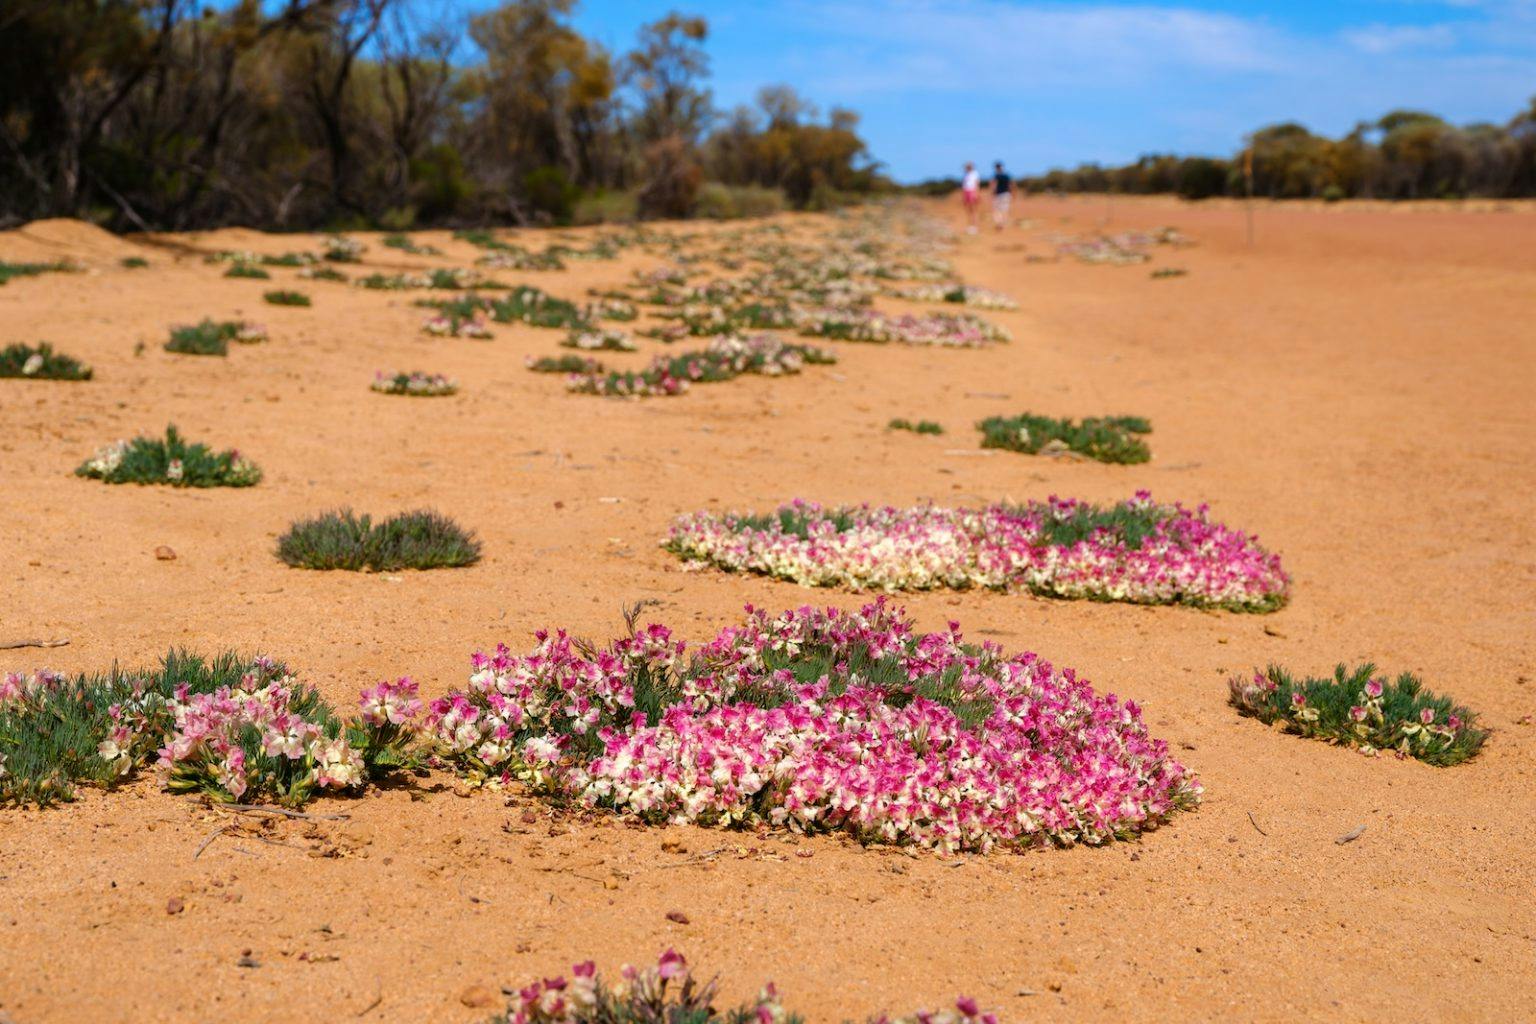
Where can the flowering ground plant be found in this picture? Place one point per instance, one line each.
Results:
(725, 358)
(1104, 439)
(270, 737)
(286, 297)
(238, 729)
(1136, 551)
(455, 325)
(669, 993)
(322, 273)
(817, 721)
(425, 385)
(948, 330)
(40, 363)
(247, 270)
(1357, 708)
(340, 249)
(170, 461)
(212, 337)
(523, 304)
(961, 294)
(598, 339)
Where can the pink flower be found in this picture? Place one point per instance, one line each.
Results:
(671, 965)
(1373, 689)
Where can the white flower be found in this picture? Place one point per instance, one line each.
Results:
(33, 364)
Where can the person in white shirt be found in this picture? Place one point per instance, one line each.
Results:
(970, 196)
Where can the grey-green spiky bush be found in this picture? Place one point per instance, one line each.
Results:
(1105, 439)
(346, 540)
(170, 461)
(40, 363)
(1356, 708)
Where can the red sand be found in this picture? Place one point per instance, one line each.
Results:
(1356, 388)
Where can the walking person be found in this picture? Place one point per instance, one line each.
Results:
(1002, 195)
(970, 196)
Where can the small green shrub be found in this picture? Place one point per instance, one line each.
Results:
(171, 461)
(1106, 439)
(606, 207)
(288, 259)
(565, 364)
(10, 270)
(287, 298)
(134, 262)
(729, 202)
(212, 337)
(344, 540)
(406, 244)
(1162, 272)
(247, 270)
(40, 363)
(1358, 709)
(1333, 194)
(322, 273)
(920, 427)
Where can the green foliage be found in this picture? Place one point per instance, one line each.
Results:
(10, 270)
(1106, 439)
(1164, 272)
(920, 427)
(1356, 709)
(49, 739)
(134, 262)
(565, 364)
(40, 363)
(551, 194)
(607, 206)
(207, 338)
(344, 540)
(169, 460)
(288, 259)
(730, 202)
(246, 270)
(405, 244)
(1127, 524)
(287, 298)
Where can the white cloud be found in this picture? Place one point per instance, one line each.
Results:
(1380, 39)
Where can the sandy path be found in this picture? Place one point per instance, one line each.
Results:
(1356, 389)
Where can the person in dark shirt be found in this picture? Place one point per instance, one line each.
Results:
(1002, 195)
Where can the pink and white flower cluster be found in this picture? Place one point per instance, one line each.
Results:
(1186, 558)
(445, 326)
(818, 720)
(946, 330)
(964, 294)
(270, 736)
(670, 992)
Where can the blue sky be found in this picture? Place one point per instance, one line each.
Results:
(1047, 84)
